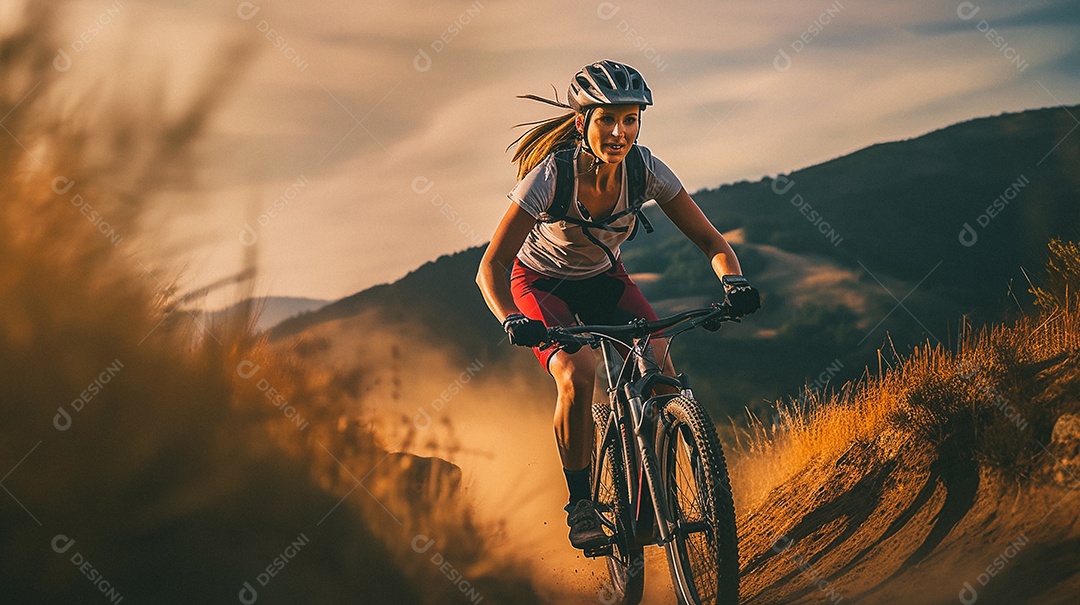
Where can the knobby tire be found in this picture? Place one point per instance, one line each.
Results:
(698, 494)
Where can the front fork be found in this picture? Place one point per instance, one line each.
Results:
(647, 417)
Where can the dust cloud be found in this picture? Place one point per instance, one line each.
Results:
(493, 421)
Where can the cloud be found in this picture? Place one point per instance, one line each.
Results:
(392, 92)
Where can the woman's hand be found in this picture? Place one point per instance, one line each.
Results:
(524, 332)
(741, 297)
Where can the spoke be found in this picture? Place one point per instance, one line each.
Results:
(687, 476)
(703, 566)
(607, 495)
(695, 541)
(695, 527)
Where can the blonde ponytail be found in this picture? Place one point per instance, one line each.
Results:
(544, 137)
(541, 140)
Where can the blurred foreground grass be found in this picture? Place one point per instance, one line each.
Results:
(146, 457)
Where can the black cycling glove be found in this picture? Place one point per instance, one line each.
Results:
(524, 332)
(740, 296)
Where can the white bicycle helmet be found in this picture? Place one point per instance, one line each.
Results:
(608, 83)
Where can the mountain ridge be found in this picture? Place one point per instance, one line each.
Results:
(900, 209)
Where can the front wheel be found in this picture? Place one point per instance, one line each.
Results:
(626, 563)
(704, 555)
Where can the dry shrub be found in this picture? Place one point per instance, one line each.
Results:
(1062, 276)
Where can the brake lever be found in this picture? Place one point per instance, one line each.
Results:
(569, 347)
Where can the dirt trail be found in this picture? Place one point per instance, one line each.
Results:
(888, 522)
(901, 535)
(903, 518)
(899, 521)
(495, 425)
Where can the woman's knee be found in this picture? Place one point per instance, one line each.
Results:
(574, 374)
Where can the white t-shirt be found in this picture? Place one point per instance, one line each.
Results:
(561, 249)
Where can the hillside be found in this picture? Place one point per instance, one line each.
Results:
(899, 208)
(894, 212)
(905, 487)
(271, 311)
(953, 474)
(439, 295)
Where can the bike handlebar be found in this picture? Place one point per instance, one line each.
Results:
(638, 328)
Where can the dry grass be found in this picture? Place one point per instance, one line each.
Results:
(990, 387)
(177, 477)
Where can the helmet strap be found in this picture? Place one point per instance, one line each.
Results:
(583, 137)
(584, 132)
(595, 160)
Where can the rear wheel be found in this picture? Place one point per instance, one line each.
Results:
(626, 563)
(704, 555)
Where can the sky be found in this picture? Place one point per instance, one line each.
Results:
(365, 138)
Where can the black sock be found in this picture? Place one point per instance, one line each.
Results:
(578, 483)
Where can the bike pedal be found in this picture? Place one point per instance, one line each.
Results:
(600, 551)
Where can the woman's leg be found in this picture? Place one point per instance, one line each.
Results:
(540, 297)
(631, 305)
(543, 298)
(574, 374)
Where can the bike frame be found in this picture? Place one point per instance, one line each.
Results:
(631, 380)
(633, 404)
(637, 413)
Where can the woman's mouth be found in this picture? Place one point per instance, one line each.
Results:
(614, 147)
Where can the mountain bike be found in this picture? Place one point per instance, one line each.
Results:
(659, 476)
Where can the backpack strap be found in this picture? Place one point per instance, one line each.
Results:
(635, 180)
(565, 169)
(634, 164)
(564, 186)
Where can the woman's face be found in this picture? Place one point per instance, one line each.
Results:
(612, 130)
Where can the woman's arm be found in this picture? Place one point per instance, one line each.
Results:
(504, 246)
(688, 217)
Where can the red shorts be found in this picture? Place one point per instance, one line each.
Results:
(608, 298)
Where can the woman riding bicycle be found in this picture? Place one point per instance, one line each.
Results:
(564, 261)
